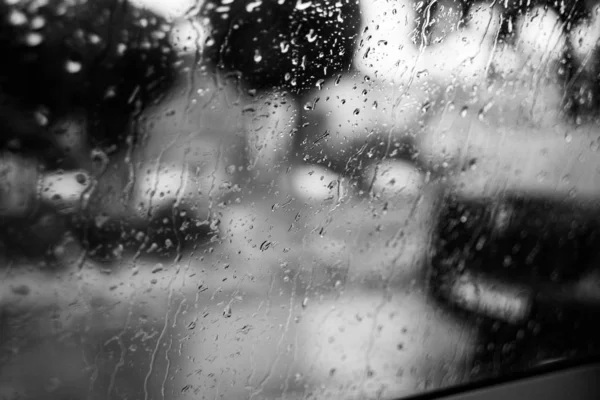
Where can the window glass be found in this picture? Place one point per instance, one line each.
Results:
(294, 199)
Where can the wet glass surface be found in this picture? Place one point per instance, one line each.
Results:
(294, 199)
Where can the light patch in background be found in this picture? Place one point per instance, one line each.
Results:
(314, 183)
(374, 346)
(540, 36)
(465, 53)
(189, 36)
(169, 9)
(585, 36)
(391, 178)
(385, 48)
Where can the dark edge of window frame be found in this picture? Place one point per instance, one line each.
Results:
(575, 376)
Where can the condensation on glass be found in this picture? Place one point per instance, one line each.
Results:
(294, 199)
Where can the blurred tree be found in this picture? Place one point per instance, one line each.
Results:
(104, 57)
(289, 44)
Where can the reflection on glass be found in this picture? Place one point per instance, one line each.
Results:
(294, 199)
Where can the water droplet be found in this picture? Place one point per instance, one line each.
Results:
(356, 111)
(338, 79)
(251, 6)
(33, 39)
(480, 115)
(423, 74)
(38, 22)
(305, 302)
(17, 18)
(227, 311)
(473, 164)
(366, 55)
(464, 111)
(110, 93)
(568, 137)
(302, 6)
(485, 109)
(312, 36)
(81, 178)
(94, 39)
(284, 46)
(121, 48)
(541, 176)
(41, 117)
(257, 56)
(73, 66)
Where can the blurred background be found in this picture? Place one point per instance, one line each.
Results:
(296, 199)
